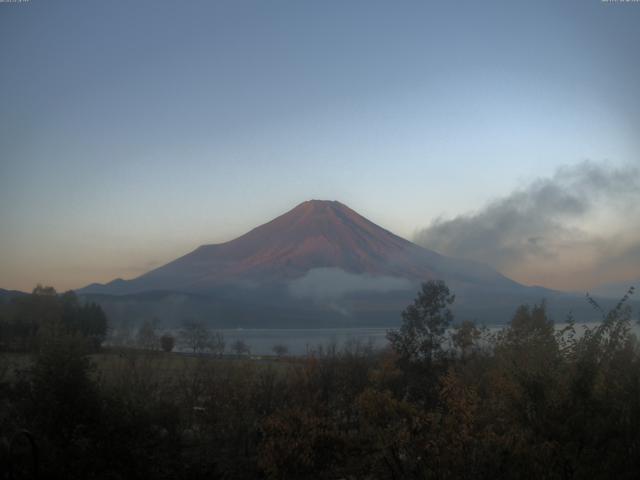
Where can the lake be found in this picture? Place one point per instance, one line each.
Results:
(301, 341)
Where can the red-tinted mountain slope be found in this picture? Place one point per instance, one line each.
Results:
(315, 234)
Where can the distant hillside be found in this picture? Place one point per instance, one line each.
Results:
(6, 295)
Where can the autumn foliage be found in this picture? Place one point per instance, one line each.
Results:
(446, 401)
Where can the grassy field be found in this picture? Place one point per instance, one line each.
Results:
(12, 363)
(112, 365)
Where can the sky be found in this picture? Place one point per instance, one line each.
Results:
(132, 132)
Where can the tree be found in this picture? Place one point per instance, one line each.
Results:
(44, 291)
(240, 347)
(40, 313)
(280, 350)
(217, 343)
(424, 324)
(532, 378)
(529, 337)
(62, 393)
(167, 342)
(195, 336)
(465, 336)
(147, 337)
(87, 319)
(32, 320)
(93, 324)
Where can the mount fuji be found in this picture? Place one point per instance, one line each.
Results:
(319, 264)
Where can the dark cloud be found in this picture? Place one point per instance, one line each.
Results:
(557, 219)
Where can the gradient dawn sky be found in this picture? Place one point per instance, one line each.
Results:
(132, 132)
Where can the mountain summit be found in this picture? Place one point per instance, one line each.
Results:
(316, 234)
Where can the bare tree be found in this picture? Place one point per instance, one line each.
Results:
(195, 336)
(217, 344)
(280, 350)
(147, 337)
(239, 347)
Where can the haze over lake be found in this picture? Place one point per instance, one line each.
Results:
(309, 340)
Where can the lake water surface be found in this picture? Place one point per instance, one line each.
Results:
(302, 341)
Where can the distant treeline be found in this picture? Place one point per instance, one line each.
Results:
(528, 401)
(27, 321)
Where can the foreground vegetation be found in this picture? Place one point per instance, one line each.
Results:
(526, 402)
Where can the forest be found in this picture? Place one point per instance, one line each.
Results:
(446, 399)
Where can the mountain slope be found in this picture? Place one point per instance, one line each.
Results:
(315, 234)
